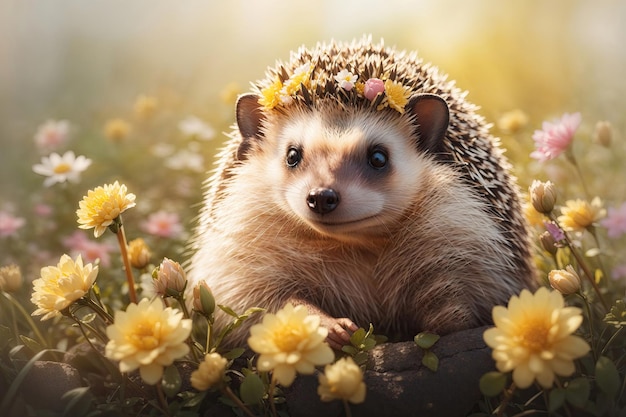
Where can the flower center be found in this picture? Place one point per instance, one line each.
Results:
(534, 335)
(288, 338)
(146, 336)
(62, 168)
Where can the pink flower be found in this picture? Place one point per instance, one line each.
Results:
(555, 138)
(615, 221)
(43, 210)
(9, 224)
(163, 224)
(373, 86)
(91, 251)
(52, 134)
(619, 272)
(554, 230)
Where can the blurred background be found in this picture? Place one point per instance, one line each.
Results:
(91, 63)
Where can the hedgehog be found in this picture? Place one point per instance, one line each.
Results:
(360, 183)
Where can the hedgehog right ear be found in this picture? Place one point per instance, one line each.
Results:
(249, 118)
(432, 116)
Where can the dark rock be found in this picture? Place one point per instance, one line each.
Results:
(399, 385)
(46, 382)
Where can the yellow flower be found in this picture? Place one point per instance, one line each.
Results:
(10, 278)
(145, 106)
(578, 214)
(116, 129)
(533, 337)
(210, 372)
(149, 337)
(513, 121)
(342, 380)
(138, 253)
(566, 281)
(290, 341)
(101, 206)
(61, 285)
(270, 96)
(397, 95)
(301, 75)
(533, 217)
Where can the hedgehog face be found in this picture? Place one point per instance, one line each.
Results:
(355, 174)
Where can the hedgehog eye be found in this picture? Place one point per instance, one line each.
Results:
(294, 156)
(377, 158)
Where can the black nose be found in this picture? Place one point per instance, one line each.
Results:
(322, 200)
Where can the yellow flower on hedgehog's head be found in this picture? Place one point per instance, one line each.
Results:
(397, 95)
(270, 95)
(578, 214)
(290, 341)
(149, 337)
(301, 75)
(533, 337)
(61, 285)
(101, 206)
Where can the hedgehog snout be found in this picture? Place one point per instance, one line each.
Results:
(322, 200)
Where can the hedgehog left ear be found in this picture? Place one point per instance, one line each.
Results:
(431, 117)
(249, 118)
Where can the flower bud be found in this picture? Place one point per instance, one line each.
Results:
(10, 278)
(203, 301)
(603, 134)
(542, 196)
(169, 279)
(138, 253)
(566, 281)
(548, 242)
(210, 373)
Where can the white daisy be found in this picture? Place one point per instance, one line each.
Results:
(61, 168)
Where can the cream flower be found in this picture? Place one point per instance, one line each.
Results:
(61, 285)
(149, 337)
(342, 380)
(101, 206)
(10, 278)
(52, 134)
(533, 337)
(210, 372)
(61, 168)
(290, 341)
(138, 253)
(195, 127)
(566, 281)
(578, 214)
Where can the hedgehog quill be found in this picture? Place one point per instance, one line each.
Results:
(360, 183)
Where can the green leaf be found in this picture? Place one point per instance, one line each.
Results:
(617, 315)
(426, 340)
(234, 353)
(361, 358)
(32, 344)
(357, 337)
(350, 350)
(5, 336)
(430, 360)
(195, 399)
(492, 383)
(577, 392)
(252, 389)
(171, 381)
(79, 402)
(228, 310)
(607, 376)
(556, 399)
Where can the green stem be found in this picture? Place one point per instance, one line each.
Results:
(271, 396)
(121, 240)
(209, 327)
(162, 400)
(183, 307)
(28, 318)
(591, 329)
(570, 157)
(346, 407)
(618, 331)
(230, 394)
(104, 315)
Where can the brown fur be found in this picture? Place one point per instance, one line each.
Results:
(435, 252)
